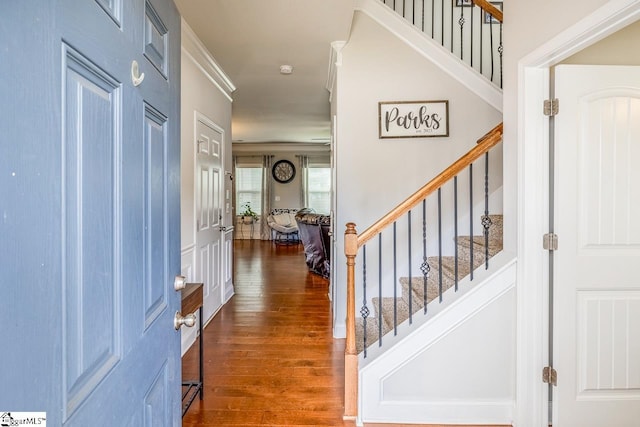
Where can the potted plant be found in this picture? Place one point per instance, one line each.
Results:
(248, 215)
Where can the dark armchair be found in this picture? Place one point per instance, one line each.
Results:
(313, 230)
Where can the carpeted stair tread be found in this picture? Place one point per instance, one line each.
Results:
(415, 286)
(417, 282)
(372, 332)
(495, 230)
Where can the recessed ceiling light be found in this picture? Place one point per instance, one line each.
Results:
(286, 69)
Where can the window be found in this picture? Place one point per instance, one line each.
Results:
(249, 188)
(319, 188)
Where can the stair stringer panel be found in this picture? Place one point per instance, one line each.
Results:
(433, 51)
(458, 366)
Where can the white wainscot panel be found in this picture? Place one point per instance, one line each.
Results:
(609, 150)
(608, 356)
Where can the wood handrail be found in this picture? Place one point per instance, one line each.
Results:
(484, 144)
(489, 8)
(497, 129)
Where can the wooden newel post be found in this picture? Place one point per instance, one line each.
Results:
(351, 357)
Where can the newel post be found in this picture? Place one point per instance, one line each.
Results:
(351, 357)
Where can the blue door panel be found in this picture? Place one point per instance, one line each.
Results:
(113, 8)
(91, 145)
(155, 39)
(155, 137)
(155, 401)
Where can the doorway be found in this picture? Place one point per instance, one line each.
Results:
(533, 348)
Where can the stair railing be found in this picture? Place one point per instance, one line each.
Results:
(469, 29)
(353, 242)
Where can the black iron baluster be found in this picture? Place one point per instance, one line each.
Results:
(395, 281)
(461, 23)
(413, 13)
(500, 50)
(424, 267)
(486, 220)
(433, 16)
(380, 289)
(455, 231)
(451, 28)
(410, 276)
(422, 13)
(442, 22)
(490, 18)
(440, 244)
(481, 40)
(471, 46)
(471, 220)
(364, 311)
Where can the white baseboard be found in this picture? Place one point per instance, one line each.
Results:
(482, 412)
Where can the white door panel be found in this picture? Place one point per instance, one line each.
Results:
(597, 210)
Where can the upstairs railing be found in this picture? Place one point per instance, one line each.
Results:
(384, 263)
(469, 29)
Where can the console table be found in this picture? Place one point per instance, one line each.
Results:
(192, 301)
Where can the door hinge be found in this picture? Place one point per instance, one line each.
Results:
(551, 107)
(550, 242)
(549, 376)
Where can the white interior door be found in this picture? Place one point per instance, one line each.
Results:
(209, 181)
(597, 209)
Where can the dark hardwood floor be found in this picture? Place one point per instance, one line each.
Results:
(270, 358)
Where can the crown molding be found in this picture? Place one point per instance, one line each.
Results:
(193, 48)
(335, 61)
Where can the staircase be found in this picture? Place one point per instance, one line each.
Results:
(400, 315)
(394, 311)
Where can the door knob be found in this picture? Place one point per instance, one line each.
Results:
(189, 320)
(179, 283)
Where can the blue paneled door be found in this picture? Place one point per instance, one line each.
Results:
(89, 211)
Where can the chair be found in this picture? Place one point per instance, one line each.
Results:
(283, 226)
(314, 234)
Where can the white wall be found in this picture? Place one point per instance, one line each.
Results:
(206, 90)
(620, 48)
(375, 175)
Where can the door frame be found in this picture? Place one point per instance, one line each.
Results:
(531, 407)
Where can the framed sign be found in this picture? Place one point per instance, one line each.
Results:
(488, 18)
(413, 119)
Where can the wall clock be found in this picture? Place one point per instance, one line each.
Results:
(283, 171)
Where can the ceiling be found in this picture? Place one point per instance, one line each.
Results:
(250, 39)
